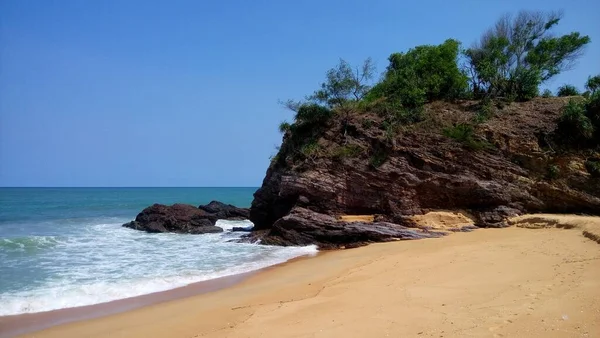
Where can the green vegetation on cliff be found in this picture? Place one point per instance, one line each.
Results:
(509, 63)
(423, 74)
(567, 90)
(579, 124)
(519, 53)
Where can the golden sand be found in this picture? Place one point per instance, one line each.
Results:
(357, 218)
(443, 220)
(512, 282)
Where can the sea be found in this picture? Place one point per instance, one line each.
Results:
(66, 247)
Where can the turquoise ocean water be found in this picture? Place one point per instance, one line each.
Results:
(65, 247)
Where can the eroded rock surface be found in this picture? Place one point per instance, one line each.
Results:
(226, 211)
(304, 227)
(422, 171)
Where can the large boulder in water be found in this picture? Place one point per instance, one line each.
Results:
(226, 211)
(178, 218)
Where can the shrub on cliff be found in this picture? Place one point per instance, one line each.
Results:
(547, 93)
(424, 73)
(310, 114)
(284, 127)
(344, 85)
(592, 108)
(567, 90)
(593, 84)
(579, 124)
(465, 134)
(301, 136)
(519, 53)
(574, 126)
(346, 151)
(310, 150)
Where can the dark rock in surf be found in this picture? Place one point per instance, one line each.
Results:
(226, 211)
(178, 218)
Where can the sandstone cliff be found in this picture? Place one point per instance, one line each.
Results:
(358, 165)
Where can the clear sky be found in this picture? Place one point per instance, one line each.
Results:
(184, 93)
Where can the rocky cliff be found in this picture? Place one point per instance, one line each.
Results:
(506, 165)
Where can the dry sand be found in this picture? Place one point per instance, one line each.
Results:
(512, 282)
(443, 220)
(357, 218)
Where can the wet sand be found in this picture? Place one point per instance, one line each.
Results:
(513, 282)
(11, 326)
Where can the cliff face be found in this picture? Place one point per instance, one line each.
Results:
(359, 167)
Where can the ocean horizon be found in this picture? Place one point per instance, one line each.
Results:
(65, 247)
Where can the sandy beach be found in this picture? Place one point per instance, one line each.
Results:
(534, 279)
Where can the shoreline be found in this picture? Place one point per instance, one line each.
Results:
(525, 280)
(25, 323)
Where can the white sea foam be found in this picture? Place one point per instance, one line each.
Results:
(228, 225)
(28, 243)
(106, 262)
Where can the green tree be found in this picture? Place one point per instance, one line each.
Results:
(311, 114)
(567, 90)
(424, 73)
(593, 83)
(592, 108)
(547, 93)
(579, 123)
(519, 53)
(284, 127)
(574, 126)
(345, 84)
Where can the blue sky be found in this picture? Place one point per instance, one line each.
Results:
(184, 93)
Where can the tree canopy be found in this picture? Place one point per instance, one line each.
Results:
(510, 61)
(593, 84)
(424, 73)
(519, 53)
(344, 84)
